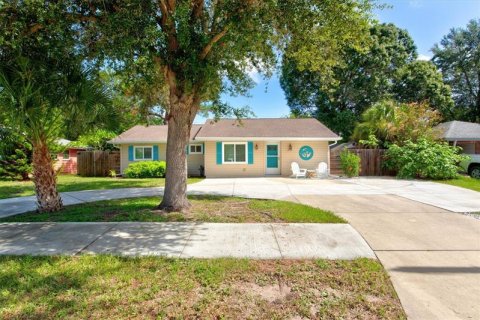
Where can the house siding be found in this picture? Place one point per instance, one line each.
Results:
(194, 160)
(214, 170)
(69, 165)
(258, 168)
(320, 154)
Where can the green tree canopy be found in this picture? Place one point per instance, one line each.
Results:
(199, 49)
(420, 81)
(364, 77)
(458, 56)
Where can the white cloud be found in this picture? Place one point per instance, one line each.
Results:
(424, 57)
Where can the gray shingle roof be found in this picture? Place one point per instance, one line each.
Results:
(266, 128)
(150, 134)
(459, 130)
(310, 129)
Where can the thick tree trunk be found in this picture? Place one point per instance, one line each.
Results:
(48, 199)
(180, 119)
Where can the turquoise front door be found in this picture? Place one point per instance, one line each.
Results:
(273, 158)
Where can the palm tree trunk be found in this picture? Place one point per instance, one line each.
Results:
(48, 199)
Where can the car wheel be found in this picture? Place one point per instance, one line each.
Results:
(474, 171)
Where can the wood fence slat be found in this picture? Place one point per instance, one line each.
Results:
(98, 163)
(371, 164)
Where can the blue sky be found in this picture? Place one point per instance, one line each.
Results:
(427, 21)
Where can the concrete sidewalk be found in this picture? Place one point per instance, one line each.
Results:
(185, 240)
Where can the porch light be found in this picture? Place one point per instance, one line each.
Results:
(256, 146)
(289, 147)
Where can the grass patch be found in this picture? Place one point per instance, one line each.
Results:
(204, 209)
(464, 182)
(108, 287)
(10, 189)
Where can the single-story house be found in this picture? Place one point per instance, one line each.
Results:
(236, 148)
(463, 134)
(66, 161)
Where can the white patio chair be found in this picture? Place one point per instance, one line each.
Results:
(297, 172)
(322, 170)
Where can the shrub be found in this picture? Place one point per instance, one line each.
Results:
(15, 155)
(393, 122)
(146, 169)
(424, 159)
(350, 163)
(15, 166)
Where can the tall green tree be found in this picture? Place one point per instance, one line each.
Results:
(43, 83)
(421, 81)
(458, 57)
(364, 77)
(199, 49)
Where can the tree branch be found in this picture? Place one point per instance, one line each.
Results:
(212, 42)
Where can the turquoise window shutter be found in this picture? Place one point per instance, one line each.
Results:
(130, 153)
(155, 153)
(250, 152)
(219, 153)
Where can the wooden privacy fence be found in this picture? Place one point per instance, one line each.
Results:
(372, 162)
(98, 163)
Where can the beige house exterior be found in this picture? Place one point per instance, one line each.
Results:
(232, 148)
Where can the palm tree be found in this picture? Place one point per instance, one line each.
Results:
(38, 96)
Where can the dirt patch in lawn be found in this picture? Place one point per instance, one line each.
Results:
(222, 210)
(107, 287)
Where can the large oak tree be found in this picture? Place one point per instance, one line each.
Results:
(198, 49)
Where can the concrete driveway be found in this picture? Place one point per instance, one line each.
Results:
(436, 194)
(431, 254)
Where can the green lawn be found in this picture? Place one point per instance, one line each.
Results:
(108, 287)
(204, 209)
(10, 189)
(464, 182)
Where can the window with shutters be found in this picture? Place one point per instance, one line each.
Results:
(234, 152)
(143, 153)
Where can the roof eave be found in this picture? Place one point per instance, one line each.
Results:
(268, 138)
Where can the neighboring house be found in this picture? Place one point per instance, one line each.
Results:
(236, 148)
(66, 161)
(462, 134)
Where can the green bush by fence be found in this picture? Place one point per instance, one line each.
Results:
(350, 163)
(424, 159)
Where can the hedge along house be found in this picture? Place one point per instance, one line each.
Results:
(236, 148)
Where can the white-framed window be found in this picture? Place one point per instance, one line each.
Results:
(66, 155)
(195, 148)
(234, 152)
(143, 153)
